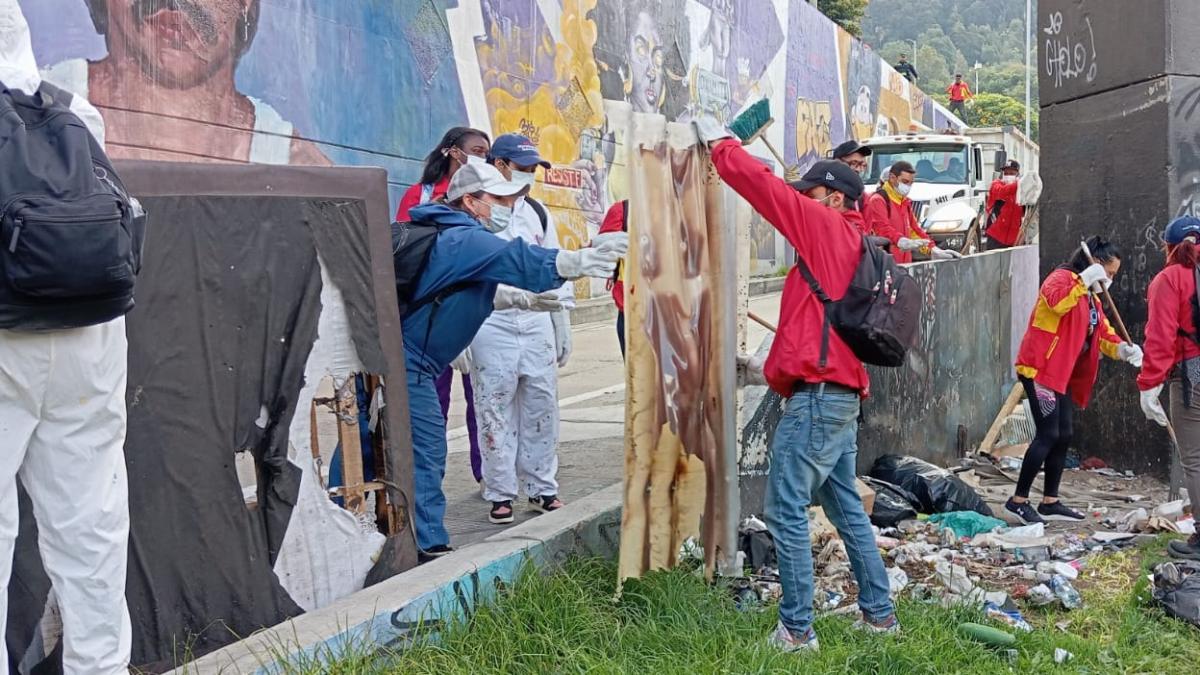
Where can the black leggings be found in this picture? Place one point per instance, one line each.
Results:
(1052, 413)
(621, 331)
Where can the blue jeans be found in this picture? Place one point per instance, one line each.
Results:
(813, 455)
(429, 460)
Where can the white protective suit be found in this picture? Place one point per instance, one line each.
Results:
(62, 432)
(514, 370)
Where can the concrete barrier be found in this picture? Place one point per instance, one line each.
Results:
(414, 605)
(941, 402)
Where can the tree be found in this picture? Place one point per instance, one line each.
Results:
(846, 13)
(998, 110)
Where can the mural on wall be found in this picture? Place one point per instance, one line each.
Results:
(377, 83)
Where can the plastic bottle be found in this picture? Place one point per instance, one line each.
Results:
(1066, 593)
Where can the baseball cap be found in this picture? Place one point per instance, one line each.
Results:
(1180, 228)
(474, 178)
(849, 148)
(517, 149)
(1012, 164)
(833, 175)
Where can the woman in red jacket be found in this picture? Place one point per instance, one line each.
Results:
(1057, 365)
(1172, 355)
(617, 220)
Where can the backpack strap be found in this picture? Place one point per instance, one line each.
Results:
(541, 213)
(826, 302)
(624, 228)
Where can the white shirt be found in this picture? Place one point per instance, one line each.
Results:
(526, 225)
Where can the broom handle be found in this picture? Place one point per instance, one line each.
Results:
(762, 322)
(1124, 332)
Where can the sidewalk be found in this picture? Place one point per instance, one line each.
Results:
(591, 451)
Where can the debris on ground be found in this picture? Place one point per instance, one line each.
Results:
(1062, 656)
(937, 490)
(1177, 589)
(967, 523)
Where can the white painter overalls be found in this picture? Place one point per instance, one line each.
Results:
(515, 375)
(62, 433)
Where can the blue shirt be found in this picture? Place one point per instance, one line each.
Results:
(465, 251)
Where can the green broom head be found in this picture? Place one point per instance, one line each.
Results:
(752, 120)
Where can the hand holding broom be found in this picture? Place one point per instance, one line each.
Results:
(749, 126)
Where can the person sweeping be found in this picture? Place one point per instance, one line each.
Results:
(1057, 365)
(1173, 357)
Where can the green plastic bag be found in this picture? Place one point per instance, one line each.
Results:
(967, 523)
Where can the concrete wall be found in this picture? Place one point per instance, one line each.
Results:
(953, 382)
(1120, 92)
(377, 83)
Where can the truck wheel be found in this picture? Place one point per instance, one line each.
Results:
(973, 239)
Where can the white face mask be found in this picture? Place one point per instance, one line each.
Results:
(476, 160)
(499, 219)
(1009, 179)
(903, 189)
(523, 178)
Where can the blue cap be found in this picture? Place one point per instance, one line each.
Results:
(1180, 228)
(517, 149)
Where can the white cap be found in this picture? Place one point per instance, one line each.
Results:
(474, 178)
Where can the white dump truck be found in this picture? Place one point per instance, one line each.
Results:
(954, 172)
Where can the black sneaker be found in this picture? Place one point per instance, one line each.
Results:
(502, 512)
(1059, 511)
(546, 503)
(1023, 511)
(1188, 550)
(434, 552)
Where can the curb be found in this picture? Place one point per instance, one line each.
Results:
(411, 607)
(602, 310)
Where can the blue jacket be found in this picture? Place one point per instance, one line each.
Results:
(465, 251)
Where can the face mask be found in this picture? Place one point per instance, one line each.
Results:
(499, 220)
(1009, 179)
(476, 160)
(523, 178)
(903, 189)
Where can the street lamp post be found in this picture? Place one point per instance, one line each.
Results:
(978, 65)
(1028, 49)
(914, 51)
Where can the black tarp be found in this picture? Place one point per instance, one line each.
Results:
(227, 309)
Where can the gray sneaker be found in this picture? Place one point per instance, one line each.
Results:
(783, 640)
(889, 626)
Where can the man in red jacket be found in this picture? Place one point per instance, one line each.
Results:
(1003, 212)
(960, 93)
(889, 214)
(816, 442)
(617, 220)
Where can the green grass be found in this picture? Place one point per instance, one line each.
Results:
(672, 622)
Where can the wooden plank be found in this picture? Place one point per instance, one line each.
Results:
(346, 409)
(1010, 404)
(680, 450)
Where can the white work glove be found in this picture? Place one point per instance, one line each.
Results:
(562, 336)
(906, 244)
(612, 241)
(710, 130)
(944, 254)
(462, 362)
(1095, 277)
(508, 297)
(1152, 407)
(1131, 354)
(750, 371)
(586, 262)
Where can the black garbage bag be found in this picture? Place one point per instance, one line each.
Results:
(936, 489)
(759, 548)
(1177, 589)
(892, 503)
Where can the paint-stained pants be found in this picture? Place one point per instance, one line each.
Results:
(1187, 428)
(62, 434)
(429, 460)
(515, 374)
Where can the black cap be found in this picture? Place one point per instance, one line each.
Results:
(849, 148)
(1012, 164)
(833, 175)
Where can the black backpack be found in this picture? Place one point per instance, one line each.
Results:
(880, 313)
(70, 235)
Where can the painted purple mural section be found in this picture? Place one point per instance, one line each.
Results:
(815, 116)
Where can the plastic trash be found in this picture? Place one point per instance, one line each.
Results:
(1062, 656)
(1177, 589)
(893, 503)
(897, 580)
(1063, 569)
(987, 635)
(953, 577)
(1011, 617)
(936, 489)
(967, 523)
(1041, 595)
(1065, 592)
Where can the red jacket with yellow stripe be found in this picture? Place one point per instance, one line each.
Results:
(1057, 351)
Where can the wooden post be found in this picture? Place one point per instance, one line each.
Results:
(346, 409)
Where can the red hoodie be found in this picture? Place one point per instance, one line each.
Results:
(616, 220)
(830, 246)
(1170, 318)
(412, 197)
(1008, 224)
(893, 221)
(1052, 352)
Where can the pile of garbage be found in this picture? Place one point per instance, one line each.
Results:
(942, 544)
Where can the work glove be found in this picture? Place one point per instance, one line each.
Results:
(462, 362)
(750, 371)
(562, 336)
(944, 254)
(586, 262)
(1095, 278)
(1152, 407)
(710, 130)
(906, 244)
(508, 297)
(612, 241)
(1131, 354)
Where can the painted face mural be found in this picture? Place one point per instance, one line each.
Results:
(645, 65)
(179, 43)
